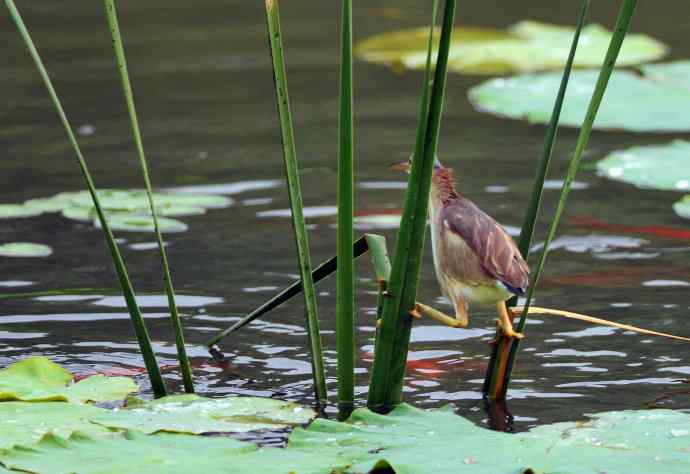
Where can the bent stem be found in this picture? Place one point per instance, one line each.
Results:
(140, 330)
(295, 193)
(625, 13)
(501, 350)
(185, 368)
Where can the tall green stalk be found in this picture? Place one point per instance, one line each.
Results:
(345, 276)
(501, 350)
(385, 389)
(625, 13)
(185, 368)
(291, 170)
(140, 330)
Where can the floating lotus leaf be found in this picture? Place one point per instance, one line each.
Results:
(664, 167)
(417, 441)
(137, 223)
(525, 47)
(24, 249)
(127, 210)
(682, 207)
(11, 211)
(166, 454)
(38, 379)
(196, 415)
(656, 101)
(25, 423)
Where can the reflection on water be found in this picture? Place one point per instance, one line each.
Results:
(205, 94)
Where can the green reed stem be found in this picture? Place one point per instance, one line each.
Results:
(496, 368)
(295, 193)
(185, 368)
(625, 13)
(140, 330)
(385, 389)
(345, 293)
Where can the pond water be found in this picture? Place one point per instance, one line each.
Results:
(205, 95)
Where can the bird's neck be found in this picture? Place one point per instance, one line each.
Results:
(443, 187)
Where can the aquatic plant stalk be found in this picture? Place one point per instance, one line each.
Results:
(327, 268)
(185, 368)
(345, 276)
(385, 388)
(501, 350)
(625, 13)
(140, 330)
(291, 171)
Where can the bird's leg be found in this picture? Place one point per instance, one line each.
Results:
(505, 322)
(460, 321)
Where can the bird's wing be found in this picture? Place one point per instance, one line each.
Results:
(499, 256)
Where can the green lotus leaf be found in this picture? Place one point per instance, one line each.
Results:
(682, 207)
(196, 415)
(38, 379)
(525, 47)
(665, 167)
(656, 101)
(166, 453)
(25, 423)
(136, 200)
(139, 223)
(11, 211)
(24, 249)
(79, 213)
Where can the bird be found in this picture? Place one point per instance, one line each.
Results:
(476, 261)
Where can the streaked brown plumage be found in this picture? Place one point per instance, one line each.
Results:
(476, 261)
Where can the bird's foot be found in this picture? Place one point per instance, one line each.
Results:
(416, 311)
(507, 331)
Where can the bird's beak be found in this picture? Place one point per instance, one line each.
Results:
(403, 166)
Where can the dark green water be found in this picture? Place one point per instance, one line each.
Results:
(205, 95)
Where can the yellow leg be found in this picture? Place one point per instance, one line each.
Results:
(460, 321)
(505, 323)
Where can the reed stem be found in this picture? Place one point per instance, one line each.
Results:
(625, 13)
(493, 382)
(385, 389)
(140, 330)
(291, 171)
(345, 276)
(185, 368)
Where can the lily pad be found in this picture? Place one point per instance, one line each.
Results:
(196, 415)
(136, 223)
(665, 167)
(682, 207)
(24, 249)
(38, 379)
(524, 47)
(165, 454)
(25, 423)
(655, 101)
(410, 441)
(11, 211)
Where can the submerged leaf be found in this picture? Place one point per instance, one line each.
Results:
(196, 415)
(665, 167)
(656, 101)
(38, 379)
(25, 249)
(524, 47)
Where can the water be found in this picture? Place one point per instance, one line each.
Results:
(205, 96)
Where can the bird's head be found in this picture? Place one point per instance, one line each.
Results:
(406, 165)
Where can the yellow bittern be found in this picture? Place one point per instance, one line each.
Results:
(476, 261)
